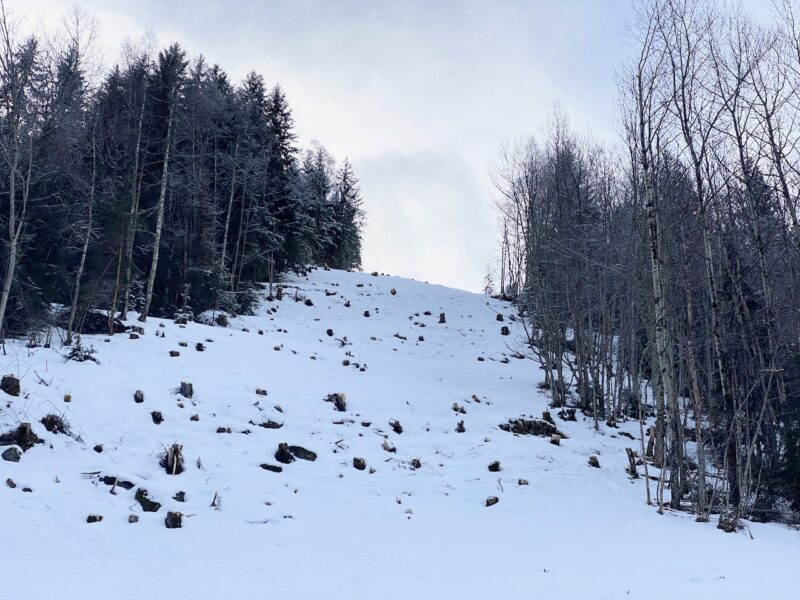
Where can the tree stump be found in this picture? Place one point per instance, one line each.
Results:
(631, 463)
(174, 520)
(172, 460)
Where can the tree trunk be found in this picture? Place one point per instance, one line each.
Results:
(84, 251)
(162, 194)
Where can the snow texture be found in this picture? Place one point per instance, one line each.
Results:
(325, 529)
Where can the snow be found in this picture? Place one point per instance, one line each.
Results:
(324, 529)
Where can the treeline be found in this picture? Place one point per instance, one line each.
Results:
(160, 186)
(664, 280)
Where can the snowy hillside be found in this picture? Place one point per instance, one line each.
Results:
(396, 529)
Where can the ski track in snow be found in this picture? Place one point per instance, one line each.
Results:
(324, 529)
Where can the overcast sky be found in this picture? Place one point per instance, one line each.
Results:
(420, 95)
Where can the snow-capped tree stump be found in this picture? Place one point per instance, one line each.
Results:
(282, 454)
(22, 436)
(339, 400)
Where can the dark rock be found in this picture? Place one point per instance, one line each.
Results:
(531, 427)
(145, 502)
(396, 427)
(366, 313)
(269, 424)
(180, 497)
(10, 483)
(133, 336)
(522, 482)
(94, 518)
(186, 389)
(302, 453)
(499, 317)
(10, 385)
(594, 462)
(329, 332)
(308, 302)
(115, 481)
(416, 463)
(442, 318)
(157, 417)
(555, 439)
(366, 423)
(133, 518)
(22, 436)
(359, 463)
(481, 359)
(546, 416)
(282, 455)
(138, 396)
(223, 429)
(199, 347)
(505, 330)
(495, 466)
(273, 468)
(174, 353)
(261, 392)
(98, 448)
(567, 414)
(11, 454)
(460, 427)
(174, 520)
(222, 320)
(492, 500)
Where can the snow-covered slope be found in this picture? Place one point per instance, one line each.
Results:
(324, 529)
